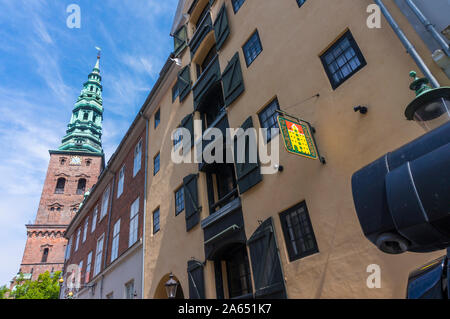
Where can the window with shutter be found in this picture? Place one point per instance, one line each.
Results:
(180, 40)
(196, 280)
(266, 265)
(184, 83)
(221, 27)
(248, 172)
(191, 203)
(233, 83)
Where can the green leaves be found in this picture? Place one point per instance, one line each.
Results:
(45, 287)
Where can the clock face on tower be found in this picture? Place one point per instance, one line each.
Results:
(75, 160)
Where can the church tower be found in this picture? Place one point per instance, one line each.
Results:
(73, 169)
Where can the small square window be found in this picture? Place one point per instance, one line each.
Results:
(237, 4)
(156, 164)
(157, 118)
(342, 60)
(298, 232)
(300, 2)
(179, 200)
(268, 118)
(156, 221)
(252, 48)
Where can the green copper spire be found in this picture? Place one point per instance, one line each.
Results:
(84, 131)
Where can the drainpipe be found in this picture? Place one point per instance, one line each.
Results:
(145, 202)
(408, 45)
(429, 26)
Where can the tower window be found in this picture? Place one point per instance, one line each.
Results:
(60, 184)
(81, 186)
(85, 116)
(44, 256)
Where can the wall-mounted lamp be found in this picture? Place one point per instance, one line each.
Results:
(360, 109)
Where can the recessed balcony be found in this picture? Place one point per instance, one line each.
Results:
(204, 27)
(209, 77)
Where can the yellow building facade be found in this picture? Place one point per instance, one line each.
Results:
(226, 230)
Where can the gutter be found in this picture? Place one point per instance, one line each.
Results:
(407, 44)
(429, 26)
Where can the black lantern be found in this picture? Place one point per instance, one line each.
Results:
(171, 287)
(431, 107)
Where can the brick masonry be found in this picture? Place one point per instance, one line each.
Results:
(56, 211)
(119, 208)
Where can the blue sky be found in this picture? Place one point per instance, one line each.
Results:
(43, 65)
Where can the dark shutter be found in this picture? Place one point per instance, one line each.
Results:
(266, 264)
(221, 27)
(191, 205)
(188, 123)
(233, 84)
(196, 280)
(184, 82)
(179, 40)
(248, 174)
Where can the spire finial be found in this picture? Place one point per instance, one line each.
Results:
(99, 51)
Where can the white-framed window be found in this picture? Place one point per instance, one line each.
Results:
(105, 202)
(115, 241)
(98, 255)
(86, 225)
(88, 267)
(137, 158)
(94, 219)
(129, 290)
(134, 222)
(120, 182)
(69, 248)
(77, 243)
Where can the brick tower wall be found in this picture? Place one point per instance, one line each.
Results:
(56, 210)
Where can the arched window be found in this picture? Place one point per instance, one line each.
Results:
(44, 256)
(60, 185)
(81, 186)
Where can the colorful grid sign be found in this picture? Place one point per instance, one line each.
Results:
(297, 138)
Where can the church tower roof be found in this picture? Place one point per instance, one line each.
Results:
(84, 131)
